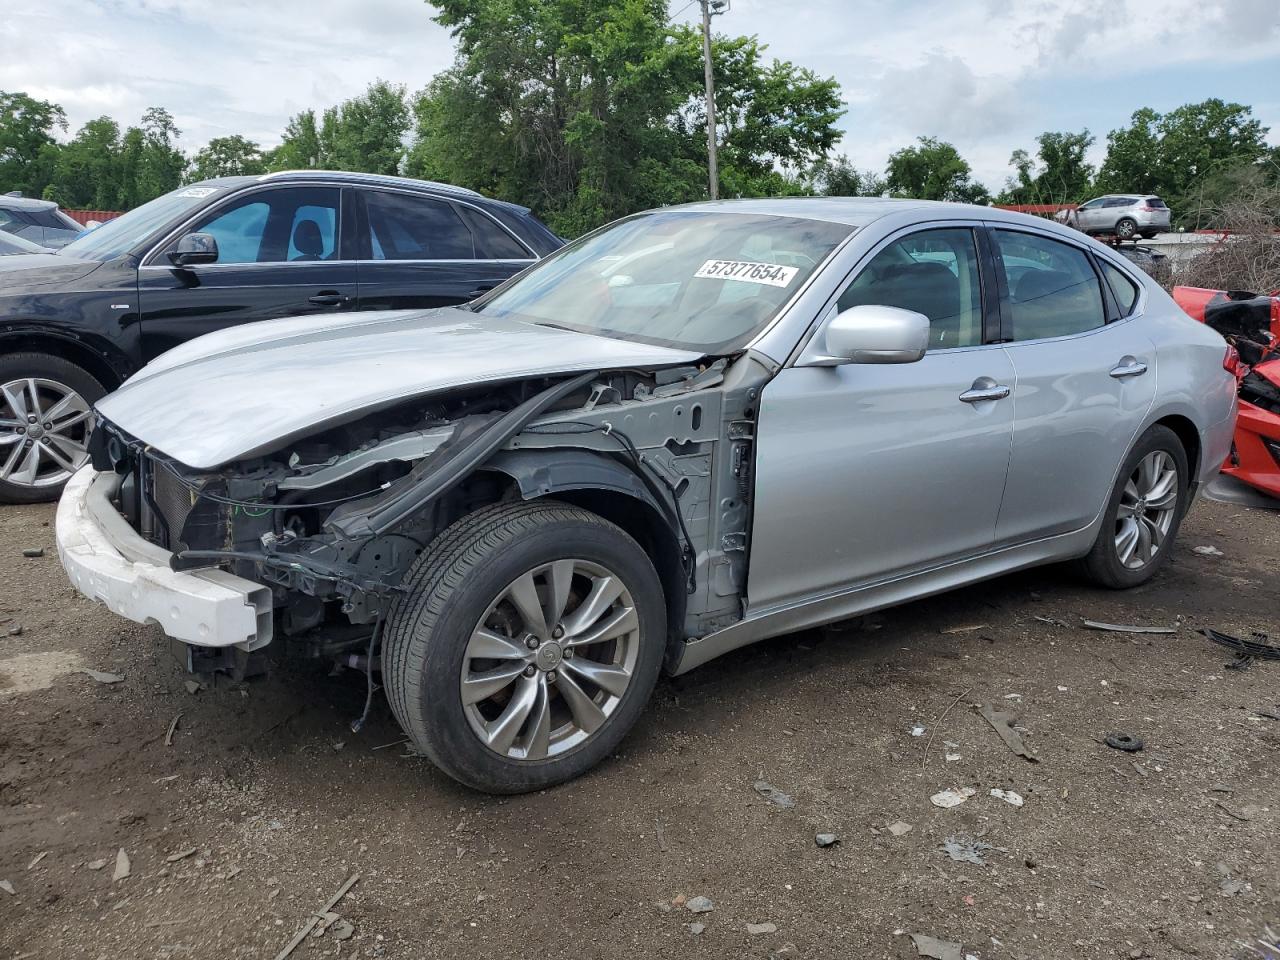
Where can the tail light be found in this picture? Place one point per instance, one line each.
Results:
(1231, 363)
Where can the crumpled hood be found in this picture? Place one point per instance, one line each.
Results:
(250, 389)
(25, 270)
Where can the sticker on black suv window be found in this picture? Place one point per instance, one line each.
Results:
(767, 273)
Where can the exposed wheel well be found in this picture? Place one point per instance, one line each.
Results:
(95, 364)
(653, 533)
(1190, 438)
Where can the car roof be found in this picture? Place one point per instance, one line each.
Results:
(26, 203)
(346, 176)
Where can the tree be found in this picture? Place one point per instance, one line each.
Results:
(300, 147)
(87, 172)
(160, 163)
(366, 133)
(26, 137)
(934, 170)
(1061, 176)
(838, 177)
(231, 156)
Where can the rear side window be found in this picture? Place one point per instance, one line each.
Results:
(1053, 290)
(404, 227)
(934, 272)
(1155, 203)
(491, 241)
(1122, 288)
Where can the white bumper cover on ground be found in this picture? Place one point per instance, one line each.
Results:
(109, 562)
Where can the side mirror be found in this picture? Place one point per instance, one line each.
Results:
(873, 334)
(193, 249)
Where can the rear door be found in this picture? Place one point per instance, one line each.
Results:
(1085, 377)
(422, 251)
(280, 253)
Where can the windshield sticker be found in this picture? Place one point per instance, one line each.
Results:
(767, 273)
(198, 192)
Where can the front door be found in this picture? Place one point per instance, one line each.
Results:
(418, 251)
(865, 472)
(279, 254)
(1082, 387)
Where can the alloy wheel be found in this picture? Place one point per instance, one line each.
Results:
(550, 660)
(1147, 510)
(44, 432)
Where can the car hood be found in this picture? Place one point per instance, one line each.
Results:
(37, 269)
(250, 389)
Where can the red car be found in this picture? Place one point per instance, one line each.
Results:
(1251, 324)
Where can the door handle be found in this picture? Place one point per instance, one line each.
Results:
(328, 298)
(484, 288)
(1128, 367)
(984, 388)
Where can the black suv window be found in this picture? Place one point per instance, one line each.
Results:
(934, 272)
(1053, 290)
(276, 226)
(405, 227)
(491, 241)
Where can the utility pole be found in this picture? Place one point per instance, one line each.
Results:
(709, 9)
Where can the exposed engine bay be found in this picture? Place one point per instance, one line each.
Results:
(332, 522)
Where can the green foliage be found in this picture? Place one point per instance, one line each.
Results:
(100, 169)
(934, 170)
(26, 139)
(838, 177)
(232, 156)
(1061, 175)
(366, 134)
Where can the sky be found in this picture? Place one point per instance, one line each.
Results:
(986, 75)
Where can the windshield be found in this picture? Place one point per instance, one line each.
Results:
(117, 237)
(706, 281)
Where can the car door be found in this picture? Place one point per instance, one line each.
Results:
(423, 251)
(280, 253)
(1088, 215)
(1084, 379)
(865, 472)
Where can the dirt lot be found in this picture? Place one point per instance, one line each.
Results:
(1166, 853)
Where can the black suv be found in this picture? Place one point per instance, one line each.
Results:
(222, 252)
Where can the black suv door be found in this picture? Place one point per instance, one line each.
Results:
(280, 253)
(419, 251)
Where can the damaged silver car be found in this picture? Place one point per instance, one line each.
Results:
(690, 430)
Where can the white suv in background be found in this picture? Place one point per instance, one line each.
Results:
(1125, 215)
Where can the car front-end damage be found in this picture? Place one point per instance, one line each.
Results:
(312, 539)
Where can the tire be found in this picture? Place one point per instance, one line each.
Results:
(1126, 228)
(40, 473)
(464, 584)
(1107, 564)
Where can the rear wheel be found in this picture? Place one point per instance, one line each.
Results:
(1143, 514)
(1126, 229)
(46, 416)
(526, 647)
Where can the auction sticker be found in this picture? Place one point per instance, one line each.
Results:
(767, 273)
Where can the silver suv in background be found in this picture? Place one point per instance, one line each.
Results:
(1125, 215)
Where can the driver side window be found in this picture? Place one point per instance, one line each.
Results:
(934, 272)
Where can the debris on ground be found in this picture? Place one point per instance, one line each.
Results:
(194, 686)
(899, 828)
(826, 839)
(924, 756)
(33, 552)
(952, 757)
(1052, 621)
(1002, 723)
(952, 797)
(1008, 796)
(1229, 886)
(1244, 814)
(317, 916)
(180, 855)
(1208, 551)
(756, 929)
(1124, 741)
(96, 864)
(773, 794)
(7, 887)
(342, 930)
(1126, 627)
(102, 677)
(173, 726)
(936, 949)
(954, 630)
(918, 730)
(15, 631)
(699, 905)
(966, 850)
(1257, 647)
(37, 858)
(123, 866)
(696, 928)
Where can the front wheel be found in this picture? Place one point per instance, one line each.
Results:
(1143, 514)
(1126, 229)
(46, 416)
(526, 646)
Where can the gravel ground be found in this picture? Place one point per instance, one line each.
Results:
(264, 803)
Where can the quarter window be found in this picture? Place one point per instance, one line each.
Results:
(404, 227)
(1053, 291)
(491, 241)
(934, 272)
(1122, 288)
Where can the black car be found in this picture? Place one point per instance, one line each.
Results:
(75, 325)
(39, 221)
